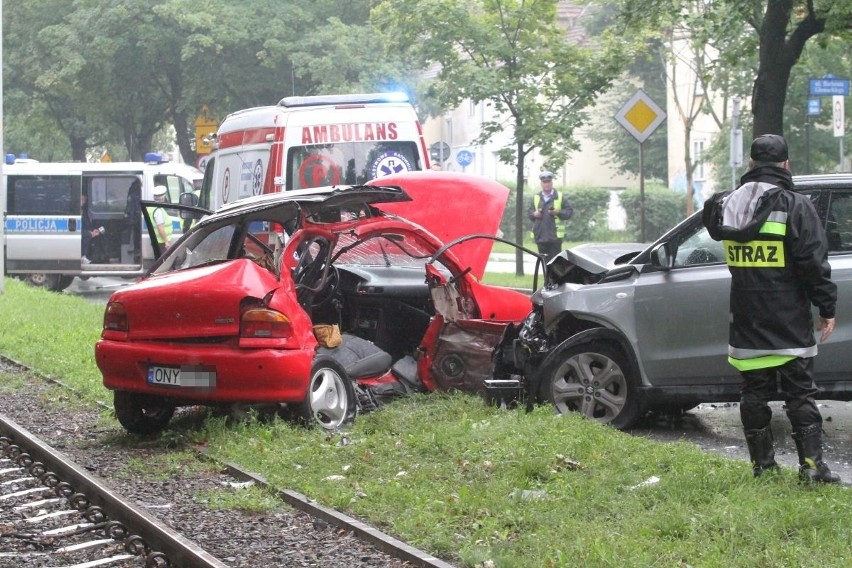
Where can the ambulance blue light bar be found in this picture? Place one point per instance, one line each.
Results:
(331, 100)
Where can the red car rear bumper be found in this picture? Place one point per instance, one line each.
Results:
(241, 375)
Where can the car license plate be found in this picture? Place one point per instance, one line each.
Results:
(164, 376)
(188, 376)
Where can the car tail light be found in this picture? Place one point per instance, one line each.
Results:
(263, 323)
(115, 317)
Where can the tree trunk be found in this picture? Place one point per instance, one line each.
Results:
(690, 168)
(778, 54)
(78, 148)
(183, 134)
(520, 217)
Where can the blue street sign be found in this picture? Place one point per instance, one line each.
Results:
(464, 158)
(813, 107)
(829, 86)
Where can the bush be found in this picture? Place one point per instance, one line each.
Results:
(591, 205)
(663, 209)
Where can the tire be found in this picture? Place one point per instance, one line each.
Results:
(593, 379)
(64, 282)
(330, 401)
(140, 413)
(43, 280)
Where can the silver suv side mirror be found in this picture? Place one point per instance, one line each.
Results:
(662, 256)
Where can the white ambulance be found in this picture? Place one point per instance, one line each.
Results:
(48, 204)
(313, 141)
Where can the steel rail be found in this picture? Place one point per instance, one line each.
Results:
(179, 550)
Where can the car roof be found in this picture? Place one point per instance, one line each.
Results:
(823, 181)
(331, 196)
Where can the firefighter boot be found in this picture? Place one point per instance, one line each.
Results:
(761, 450)
(809, 446)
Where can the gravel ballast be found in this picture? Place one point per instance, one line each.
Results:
(281, 536)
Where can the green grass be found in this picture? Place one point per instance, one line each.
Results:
(472, 483)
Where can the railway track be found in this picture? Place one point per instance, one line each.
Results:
(53, 513)
(96, 527)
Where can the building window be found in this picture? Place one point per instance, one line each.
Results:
(698, 160)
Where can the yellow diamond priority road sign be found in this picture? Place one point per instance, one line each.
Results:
(640, 116)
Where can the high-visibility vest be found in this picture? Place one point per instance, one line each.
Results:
(167, 222)
(557, 204)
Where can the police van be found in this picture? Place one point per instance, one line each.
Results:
(313, 141)
(48, 205)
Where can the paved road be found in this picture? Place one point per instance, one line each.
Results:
(717, 428)
(504, 262)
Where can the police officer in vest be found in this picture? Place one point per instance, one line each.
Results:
(548, 212)
(162, 220)
(777, 254)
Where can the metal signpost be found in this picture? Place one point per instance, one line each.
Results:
(736, 157)
(836, 88)
(641, 116)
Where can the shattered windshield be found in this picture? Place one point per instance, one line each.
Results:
(383, 249)
(259, 239)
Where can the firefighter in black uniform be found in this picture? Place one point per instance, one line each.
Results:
(777, 253)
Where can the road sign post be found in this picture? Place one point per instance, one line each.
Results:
(641, 116)
(839, 122)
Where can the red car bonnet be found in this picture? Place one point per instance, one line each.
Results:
(451, 205)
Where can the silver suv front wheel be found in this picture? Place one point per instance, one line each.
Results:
(592, 379)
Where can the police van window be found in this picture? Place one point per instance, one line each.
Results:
(43, 195)
(172, 183)
(108, 194)
(348, 163)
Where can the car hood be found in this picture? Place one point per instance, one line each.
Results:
(452, 205)
(202, 302)
(591, 259)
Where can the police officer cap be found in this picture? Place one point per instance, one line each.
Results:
(769, 148)
(545, 175)
(159, 190)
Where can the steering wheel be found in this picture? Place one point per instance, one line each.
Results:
(331, 285)
(308, 272)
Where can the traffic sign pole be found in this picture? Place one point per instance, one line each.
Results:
(640, 116)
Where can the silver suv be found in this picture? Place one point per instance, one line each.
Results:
(620, 329)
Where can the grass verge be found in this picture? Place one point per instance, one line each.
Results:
(472, 483)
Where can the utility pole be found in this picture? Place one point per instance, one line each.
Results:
(736, 159)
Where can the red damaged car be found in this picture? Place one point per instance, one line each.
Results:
(246, 307)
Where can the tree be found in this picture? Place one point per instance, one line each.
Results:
(777, 30)
(512, 54)
(108, 74)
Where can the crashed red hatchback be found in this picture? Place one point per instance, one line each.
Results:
(231, 313)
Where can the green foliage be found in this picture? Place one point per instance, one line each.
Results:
(513, 55)
(54, 333)
(106, 74)
(591, 206)
(663, 209)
